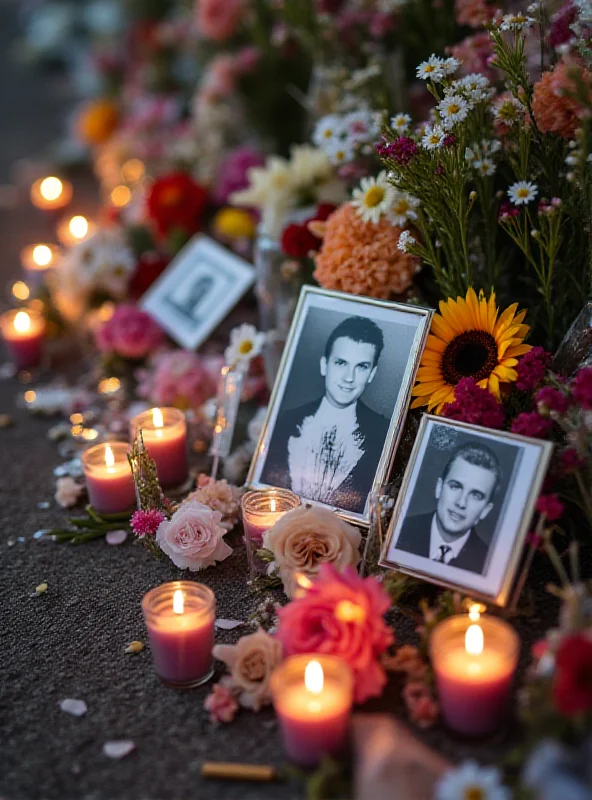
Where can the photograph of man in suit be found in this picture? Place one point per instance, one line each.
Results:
(328, 450)
(464, 497)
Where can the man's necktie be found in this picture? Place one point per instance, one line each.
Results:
(444, 550)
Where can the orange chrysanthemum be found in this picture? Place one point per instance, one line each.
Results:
(362, 257)
(554, 110)
(469, 340)
(97, 121)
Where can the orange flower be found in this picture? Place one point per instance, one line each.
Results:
(362, 257)
(554, 110)
(97, 121)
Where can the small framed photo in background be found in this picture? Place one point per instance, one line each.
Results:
(465, 507)
(340, 399)
(197, 290)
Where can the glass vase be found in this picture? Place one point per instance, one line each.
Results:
(382, 502)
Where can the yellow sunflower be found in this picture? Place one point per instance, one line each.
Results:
(469, 340)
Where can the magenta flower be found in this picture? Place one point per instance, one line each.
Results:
(475, 405)
(571, 460)
(582, 388)
(549, 399)
(532, 424)
(232, 174)
(145, 523)
(551, 506)
(342, 615)
(531, 369)
(401, 150)
(130, 333)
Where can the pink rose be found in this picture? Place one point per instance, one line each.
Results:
(342, 615)
(179, 378)
(219, 80)
(130, 333)
(219, 19)
(192, 538)
(221, 704)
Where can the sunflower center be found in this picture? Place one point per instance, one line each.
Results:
(472, 354)
(374, 196)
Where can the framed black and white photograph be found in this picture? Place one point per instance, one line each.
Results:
(465, 506)
(197, 290)
(340, 399)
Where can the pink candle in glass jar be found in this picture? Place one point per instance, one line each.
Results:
(261, 509)
(164, 431)
(312, 696)
(180, 620)
(109, 478)
(474, 659)
(24, 332)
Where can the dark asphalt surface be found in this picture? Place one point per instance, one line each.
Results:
(69, 642)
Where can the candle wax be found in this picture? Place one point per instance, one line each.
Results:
(314, 725)
(473, 689)
(26, 348)
(111, 489)
(168, 448)
(182, 646)
(255, 532)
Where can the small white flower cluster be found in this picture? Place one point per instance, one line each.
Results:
(479, 155)
(475, 88)
(437, 69)
(516, 22)
(523, 192)
(376, 197)
(575, 157)
(343, 136)
(406, 242)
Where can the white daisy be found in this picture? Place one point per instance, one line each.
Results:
(471, 154)
(245, 343)
(453, 109)
(373, 198)
(362, 126)
(449, 66)
(491, 146)
(472, 781)
(522, 192)
(340, 152)
(432, 69)
(400, 123)
(509, 110)
(516, 22)
(433, 137)
(327, 129)
(403, 209)
(406, 241)
(484, 166)
(476, 87)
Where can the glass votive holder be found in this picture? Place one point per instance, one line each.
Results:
(24, 334)
(180, 619)
(109, 477)
(164, 431)
(474, 661)
(261, 509)
(312, 696)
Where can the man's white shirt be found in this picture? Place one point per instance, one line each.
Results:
(437, 542)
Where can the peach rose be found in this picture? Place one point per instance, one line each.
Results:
(251, 661)
(307, 537)
(192, 538)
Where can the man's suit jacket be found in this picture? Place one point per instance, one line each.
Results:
(353, 492)
(415, 538)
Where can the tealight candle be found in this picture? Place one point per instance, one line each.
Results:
(474, 659)
(164, 431)
(312, 695)
(72, 230)
(37, 259)
(109, 478)
(23, 332)
(180, 620)
(261, 509)
(51, 193)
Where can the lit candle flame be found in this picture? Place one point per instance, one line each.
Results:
(157, 418)
(78, 226)
(272, 504)
(109, 457)
(51, 188)
(178, 601)
(474, 640)
(22, 322)
(313, 677)
(42, 255)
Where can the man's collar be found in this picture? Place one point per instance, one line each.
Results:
(436, 540)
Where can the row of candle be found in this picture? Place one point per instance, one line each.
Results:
(474, 660)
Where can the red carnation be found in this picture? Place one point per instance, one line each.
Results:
(298, 241)
(150, 265)
(176, 201)
(572, 688)
(551, 506)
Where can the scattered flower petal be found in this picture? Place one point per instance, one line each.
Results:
(77, 708)
(41, 589)
(116, 537)
(228, 624)
(119, 748)
(134, 647)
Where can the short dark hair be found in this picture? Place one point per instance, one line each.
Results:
(479, 456)
(359, 329)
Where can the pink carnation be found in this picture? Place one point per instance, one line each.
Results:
(342, 615)
(550, 399)
(475, 405)
(581, 388)
(532, 424)
(531, 369)
(221, 703)
(145, 523)
(551, 506)
(179, 378)
(474, 13)
(130, 333)
(219, 19)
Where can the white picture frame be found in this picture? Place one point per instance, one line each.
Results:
(197, 291)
